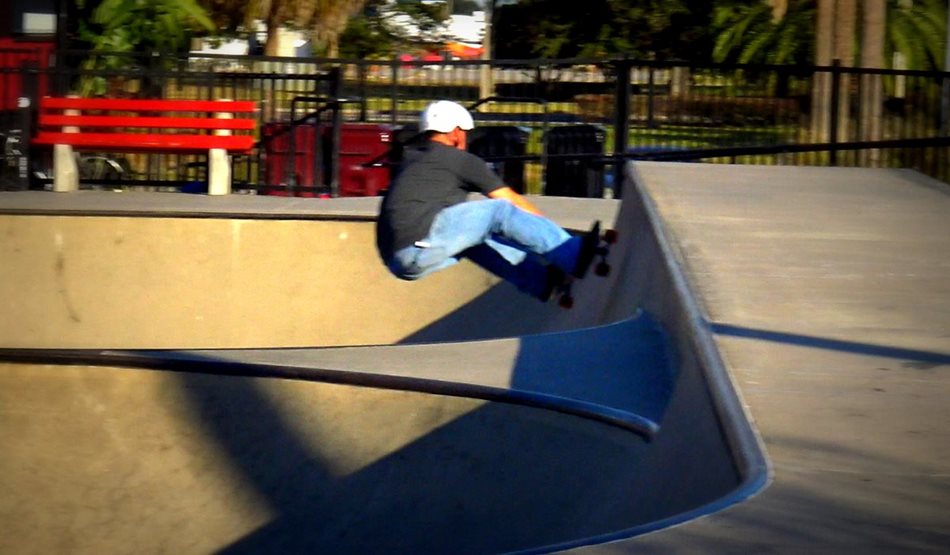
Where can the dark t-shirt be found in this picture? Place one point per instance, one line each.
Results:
(432, 178)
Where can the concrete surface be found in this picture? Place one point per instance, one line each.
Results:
(814, 302)
(86, 270)
(415, 437)
(828, 291)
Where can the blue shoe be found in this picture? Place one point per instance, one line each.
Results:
(556, 280)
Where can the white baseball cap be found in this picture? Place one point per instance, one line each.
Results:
(444, 116)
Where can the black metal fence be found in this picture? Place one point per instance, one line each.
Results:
(549, 126)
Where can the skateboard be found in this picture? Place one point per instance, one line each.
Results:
(594, 245)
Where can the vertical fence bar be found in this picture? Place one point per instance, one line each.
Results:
(26, 104)
(651, 80)
(945, 97)
(361, 68)
(621, 122)
(833, 117)
(394, 98)
(766, 109)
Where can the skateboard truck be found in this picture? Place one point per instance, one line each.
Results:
(608, 238)
(594, 244)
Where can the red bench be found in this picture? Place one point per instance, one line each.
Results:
(145, 125)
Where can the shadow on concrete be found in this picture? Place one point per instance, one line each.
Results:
(810, 504)
(497, 313)
(494, 477)
(924, 359)
(499, 478)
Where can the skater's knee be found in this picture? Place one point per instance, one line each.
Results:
(403, 272)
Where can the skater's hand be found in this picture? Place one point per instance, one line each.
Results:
(509, 194)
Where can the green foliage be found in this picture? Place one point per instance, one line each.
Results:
(918, 30)
(122, 33)
(426, 17)
(668, 29)
(747, 33)
(144, 25)
(369, 35)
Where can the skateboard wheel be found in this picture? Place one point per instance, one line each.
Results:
(603, 269)
(610, 236)
(566, 301)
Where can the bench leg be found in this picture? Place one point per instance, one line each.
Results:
(65, 169)
(219, 163)
(219, 172)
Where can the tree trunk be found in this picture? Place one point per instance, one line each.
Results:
(845, 25)
(779, 9)
(872, 56)
(821, 82)
(276, 16)
(486, 85)
(945, 100)
(328, 19)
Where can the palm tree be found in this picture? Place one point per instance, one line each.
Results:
(328, 19)
(873, 27)
(770, 31)
(779, 9)
(917, 30)
(912, 33)
(800, 31)
(821, 82)
(845, 25)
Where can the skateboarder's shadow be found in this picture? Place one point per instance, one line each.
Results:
(484, 469)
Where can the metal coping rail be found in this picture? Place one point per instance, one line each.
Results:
(177, 361)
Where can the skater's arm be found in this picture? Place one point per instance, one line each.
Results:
(509, 194)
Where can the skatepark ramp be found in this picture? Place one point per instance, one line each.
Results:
(242, 376)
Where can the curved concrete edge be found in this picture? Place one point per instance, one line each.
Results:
(745, 441)
(676, 305)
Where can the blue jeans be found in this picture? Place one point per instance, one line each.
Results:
(498, 236)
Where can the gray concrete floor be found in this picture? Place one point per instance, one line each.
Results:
(828, 291)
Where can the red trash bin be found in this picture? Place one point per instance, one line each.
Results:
(278, 168)
(361, 143)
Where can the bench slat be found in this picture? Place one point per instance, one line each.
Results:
(58, 120)
(143, 142)
(147, 105)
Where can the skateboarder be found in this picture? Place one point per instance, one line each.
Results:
(427, 223)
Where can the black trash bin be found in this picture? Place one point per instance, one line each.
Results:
(498, 142)
(574, 177)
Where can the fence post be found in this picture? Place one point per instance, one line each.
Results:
(337, 122)
(945, 97)
(945, 101)
(394, 100)
(651, 82)
(26, 104)
(833, 116)
(15, 131)
(621, 123)
(361, 68)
